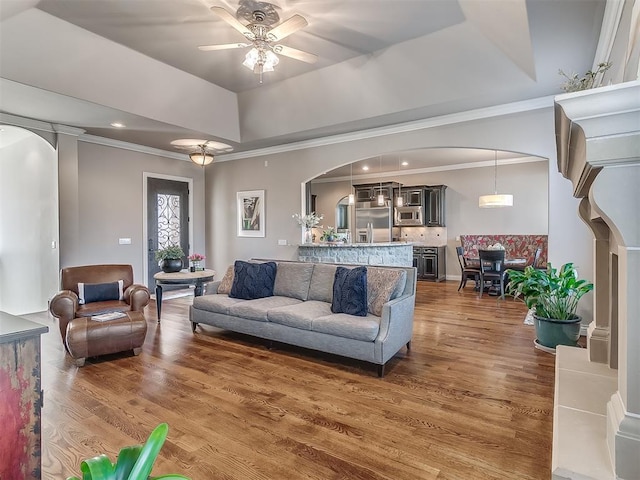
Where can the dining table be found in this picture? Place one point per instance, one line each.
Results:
(509, 263)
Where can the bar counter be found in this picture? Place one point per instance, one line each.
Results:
(387, 253)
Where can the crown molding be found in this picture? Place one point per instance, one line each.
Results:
(26, 123)
(108, 142)
(470, 115)
(67, 130)
(441, 168)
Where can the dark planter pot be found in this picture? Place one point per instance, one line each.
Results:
(171, 265)
(552, 333)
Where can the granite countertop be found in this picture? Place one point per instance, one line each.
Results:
(357, 245)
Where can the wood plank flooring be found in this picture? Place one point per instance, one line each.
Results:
(473, 399)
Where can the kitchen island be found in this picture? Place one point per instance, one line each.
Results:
(387, 253)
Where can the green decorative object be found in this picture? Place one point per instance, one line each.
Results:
(553, 295)
(134, 462)
(170, 258)
(172, 252)
(574, 83)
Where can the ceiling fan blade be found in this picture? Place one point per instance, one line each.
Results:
(223, 46)
(233, 21)
(287, 27)
(295, 53)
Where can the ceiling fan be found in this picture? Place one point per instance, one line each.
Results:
(202, 151)
(262, 34)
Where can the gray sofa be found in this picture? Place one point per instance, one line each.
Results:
(299, 312)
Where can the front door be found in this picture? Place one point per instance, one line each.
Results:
(167, 220)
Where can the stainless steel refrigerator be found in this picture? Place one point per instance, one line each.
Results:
(378, 217)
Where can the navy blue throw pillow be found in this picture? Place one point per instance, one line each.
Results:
(99, 292)
(350, 291)
(253, 280)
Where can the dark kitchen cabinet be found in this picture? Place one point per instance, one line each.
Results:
(434, 206)
(370, 192)
(430, 262)
(411, 197)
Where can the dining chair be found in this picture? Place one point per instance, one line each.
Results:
(492, 268)
(466, 270)
(536, 258)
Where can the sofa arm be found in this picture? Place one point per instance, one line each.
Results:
(396, 326)
(212, 288)
(63, 306)
(137, 296)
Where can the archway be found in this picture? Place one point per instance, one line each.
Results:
(29, 259)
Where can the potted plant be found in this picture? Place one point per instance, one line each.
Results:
(170, 258)
(329, 235)
(195, 259)
(133, 463)
(553, 297)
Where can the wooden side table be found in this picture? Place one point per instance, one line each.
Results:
(184, 277)
(21, 397)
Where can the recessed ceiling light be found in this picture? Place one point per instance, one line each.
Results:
(405, 163)
(365, 168)
(118, 125)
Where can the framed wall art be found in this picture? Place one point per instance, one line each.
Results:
(251, 219)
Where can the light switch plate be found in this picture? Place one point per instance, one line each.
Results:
(282, 242)
(124, 241)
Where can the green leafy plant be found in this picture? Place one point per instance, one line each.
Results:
(172, 252)
(134, 462)
(328, 235)
(574, 83)
(550, 293)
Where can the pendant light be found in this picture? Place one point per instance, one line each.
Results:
(495, 200)
(399, 201)
(352, 197)
(380, 194)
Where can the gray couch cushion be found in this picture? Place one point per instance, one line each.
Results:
(292, 280)
(348, 326)
(301, 315)
(322, 282)
(257, 309)
(216, 303)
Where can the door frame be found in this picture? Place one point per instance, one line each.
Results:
(145, 236)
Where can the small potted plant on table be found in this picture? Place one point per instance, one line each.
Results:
(170, 258)
(553, 296)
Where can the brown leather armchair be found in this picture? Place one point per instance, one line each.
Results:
(84, 337)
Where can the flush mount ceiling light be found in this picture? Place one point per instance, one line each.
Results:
(261, 33)
(118, 125)
(202, 151)
(495, 200)
(365, 168)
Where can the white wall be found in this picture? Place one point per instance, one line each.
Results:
(531, 133)
(528, 182)
(110, 204)
(28, 222)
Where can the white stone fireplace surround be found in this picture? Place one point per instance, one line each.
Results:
(598, 144)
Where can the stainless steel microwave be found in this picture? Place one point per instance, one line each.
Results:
(407, 216)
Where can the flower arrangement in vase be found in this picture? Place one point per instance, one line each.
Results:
(308, 222)
(195, 259)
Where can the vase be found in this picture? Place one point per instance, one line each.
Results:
(171, 265)
(308, 235)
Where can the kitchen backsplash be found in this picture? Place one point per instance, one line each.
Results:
(430, 236)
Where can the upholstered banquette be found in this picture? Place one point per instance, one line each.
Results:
(307, 304)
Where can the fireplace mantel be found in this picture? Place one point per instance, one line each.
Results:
(598, 146)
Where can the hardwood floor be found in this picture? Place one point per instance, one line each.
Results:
(473, 399)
